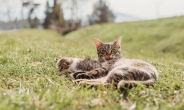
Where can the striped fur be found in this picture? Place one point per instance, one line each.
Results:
(76, 65)
(118, 70)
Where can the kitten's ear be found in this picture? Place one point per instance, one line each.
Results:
(97, 42)
(118, 42)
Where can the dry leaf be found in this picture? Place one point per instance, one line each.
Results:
(98, 101)
(36, 63)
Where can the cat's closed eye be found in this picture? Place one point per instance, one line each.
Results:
(113, 51)
(103, 51)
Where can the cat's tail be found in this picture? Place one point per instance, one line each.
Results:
(132, 83)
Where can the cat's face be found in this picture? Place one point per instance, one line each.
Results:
(108, 51)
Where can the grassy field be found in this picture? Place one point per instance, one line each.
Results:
(29, 78)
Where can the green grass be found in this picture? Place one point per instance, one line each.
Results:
(25, 86)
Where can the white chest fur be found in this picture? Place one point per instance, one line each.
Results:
(74, 65)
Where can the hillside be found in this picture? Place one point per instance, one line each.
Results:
(30, 80)
(159, 37)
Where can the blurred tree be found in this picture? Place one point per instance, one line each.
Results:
(101, 13)
(54, 17)
(32, 19)
(73, 9)
(34, 22)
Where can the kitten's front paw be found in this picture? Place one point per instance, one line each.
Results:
(76, 74)
(83, 76)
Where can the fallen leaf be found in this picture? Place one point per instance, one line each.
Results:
(36, 63)
(98, 101)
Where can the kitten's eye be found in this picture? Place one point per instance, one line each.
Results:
(114, 51)
(103, 51)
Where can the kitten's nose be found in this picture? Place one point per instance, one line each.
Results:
(108, 57)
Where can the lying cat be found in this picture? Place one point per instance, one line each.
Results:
(76, 65)
(116, 69)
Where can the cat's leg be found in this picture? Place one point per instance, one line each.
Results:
(80, 80)
(132, 83)
(102, 79)
(93, 74)
(148, 82)
(94, 82)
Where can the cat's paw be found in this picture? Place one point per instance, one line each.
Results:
(76, 74)
(81, 75)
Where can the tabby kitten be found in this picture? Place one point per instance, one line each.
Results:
(116, 69)
(76, 65)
